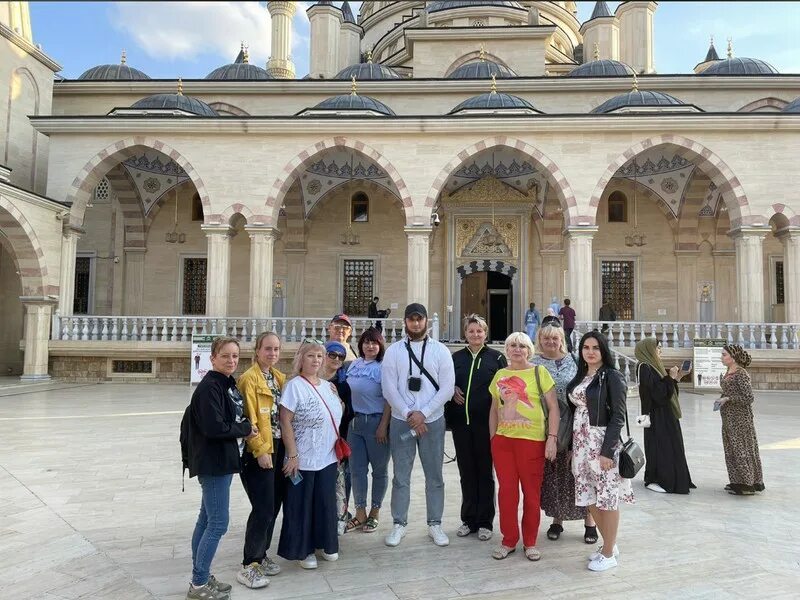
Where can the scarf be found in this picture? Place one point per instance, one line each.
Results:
(647, 352)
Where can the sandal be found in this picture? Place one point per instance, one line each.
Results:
(502, 552)
(554, 532)
(590, 534)
(370, 525)
(533, 554)
(353, 524)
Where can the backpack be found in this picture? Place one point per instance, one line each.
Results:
(184, 440)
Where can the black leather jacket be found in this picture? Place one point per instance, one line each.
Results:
(605, 399)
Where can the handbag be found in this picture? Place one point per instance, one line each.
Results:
(565, 420)
(340, 446)
(631, 457)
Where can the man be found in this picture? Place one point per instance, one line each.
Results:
(567, 316)
(417, 378)
(605, 315)
(339, 330)
(372, 309)
(532, 321)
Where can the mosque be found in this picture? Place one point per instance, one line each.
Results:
(471, 155)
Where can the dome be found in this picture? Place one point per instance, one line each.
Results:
(483, 69)
(793, 106)
(741, 66)
(367, 70)
(637, 98)
(120, 72)
(439, 5)
(601, 68)
(176, 102)
(240, 68)
(494, 101)
(349, 102)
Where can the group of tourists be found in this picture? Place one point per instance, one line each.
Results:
(546, 422)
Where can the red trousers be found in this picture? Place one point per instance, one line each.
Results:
(518, 462)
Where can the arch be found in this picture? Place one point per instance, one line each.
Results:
(131, 206)
(757, 105)
(349, 188)
(224, 107)
(27, 251)
(473, 57)
(557, 179)
(711, 164)
(787, 215)
(292, 170)
(498, 266)
(236, 209)
(83, 185)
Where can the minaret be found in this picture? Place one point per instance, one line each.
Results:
(601, 31)
(349, 38)
(280, 64)
(17, 17)
(326, 23)
(636, 35)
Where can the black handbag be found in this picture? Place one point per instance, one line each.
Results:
(631, 457)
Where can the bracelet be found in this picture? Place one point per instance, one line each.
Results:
(292, 457)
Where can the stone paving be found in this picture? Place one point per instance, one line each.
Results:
(91, 507)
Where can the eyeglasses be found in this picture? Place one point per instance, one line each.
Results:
(313, 341)
(341, 327)
(336, 356)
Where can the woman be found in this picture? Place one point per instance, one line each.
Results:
(261, 387)
(310, 414)
(558, 486)
(521, 440)
(666, 470)
(369, 430)
(467, 416)
(598, 393)
(216, 430)
(738, 429)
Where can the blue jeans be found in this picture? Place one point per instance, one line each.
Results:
(431, 455)
(367, 452)
(531, 328)
(212, 523)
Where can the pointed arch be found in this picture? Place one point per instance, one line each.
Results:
(27, 250)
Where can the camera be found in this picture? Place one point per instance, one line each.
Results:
(414, 384)
(435, 220)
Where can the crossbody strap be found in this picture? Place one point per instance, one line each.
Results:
(325, 404)
(545, 410)
(422, 369)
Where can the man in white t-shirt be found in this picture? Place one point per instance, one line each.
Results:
(417, 378)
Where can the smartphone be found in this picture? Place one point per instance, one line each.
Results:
(717, 405)
(686, 367)
(296, 478)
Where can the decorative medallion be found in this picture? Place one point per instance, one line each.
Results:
(669, 185)
(314, 187)
(152, 185)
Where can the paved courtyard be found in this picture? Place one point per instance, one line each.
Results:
(91, 507)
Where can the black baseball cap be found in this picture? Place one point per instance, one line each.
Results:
(415, 308)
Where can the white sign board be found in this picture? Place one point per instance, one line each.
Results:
(201, 357)
(708, 369)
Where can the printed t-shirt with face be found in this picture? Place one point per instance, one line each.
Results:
(274, 415)
(516, 398)
(314, 433)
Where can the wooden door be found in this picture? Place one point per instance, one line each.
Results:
(473, 294)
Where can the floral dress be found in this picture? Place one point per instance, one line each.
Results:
(593, 485)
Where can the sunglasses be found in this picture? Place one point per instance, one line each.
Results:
(336, 356)
(313, 341)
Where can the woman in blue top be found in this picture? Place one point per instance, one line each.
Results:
(369, 430)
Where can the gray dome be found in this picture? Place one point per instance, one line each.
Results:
(741, 66)
(601, 68)
(354, 102)
(439, 5)
(121, 72)
(367, 70)
(493, 100)
(239, 70)
(176, 102)
(793, 106)
(637, 98)
(483, 69)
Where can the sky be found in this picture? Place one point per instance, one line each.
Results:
(168, 40)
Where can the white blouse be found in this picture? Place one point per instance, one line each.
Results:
(314, 431)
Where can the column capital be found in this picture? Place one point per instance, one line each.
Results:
(262, 230)
(791, 233)
(134, 249)
(580, 231)
(418, 231)
(67, 229)
(221, 229)
(749, 231)
(38, 300)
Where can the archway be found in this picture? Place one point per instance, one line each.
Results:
(490, 295)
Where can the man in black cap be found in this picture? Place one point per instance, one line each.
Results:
(417, 378)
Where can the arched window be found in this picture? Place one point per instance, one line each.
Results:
(617, 208)
(197, 208)
(359, 208)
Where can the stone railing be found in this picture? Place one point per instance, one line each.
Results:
(181, 329)
(625, 334)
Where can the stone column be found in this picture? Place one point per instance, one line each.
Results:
(66, 279)
(38, 310)
(686, 261)
(133, 292)
(296, 265)
(218, 269)
(419, 264)
(749, 243)
(262, 240)
(791, 274)
(580, 288)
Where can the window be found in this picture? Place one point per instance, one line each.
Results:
(359, 208)
(617, 287)
(102, 193)
(359, 277)
(83, 279)
(617, 208)
(197, 208)
(477, 23)
(194, 286)
(779, 293)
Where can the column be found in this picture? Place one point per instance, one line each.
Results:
(296, 265)
(688, 295)
(133, 291)
(38, 310)
(419, 265)
(218, 269)
(262, 240)
(66, 278)
(280, 64)
(749, 243)
(579, 272)
(791, 274)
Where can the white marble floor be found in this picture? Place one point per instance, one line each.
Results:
(91, 507)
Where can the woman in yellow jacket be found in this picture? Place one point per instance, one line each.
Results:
(262, 475)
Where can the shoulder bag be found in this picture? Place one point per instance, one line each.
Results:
(564, 423)
(340, 446)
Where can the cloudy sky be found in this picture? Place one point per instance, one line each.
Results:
(190, 39)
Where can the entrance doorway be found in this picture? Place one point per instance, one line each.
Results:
(489, 295)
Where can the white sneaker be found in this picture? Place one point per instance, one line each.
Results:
(603, 563)
(654, 487)
(484, 534)
(599, 552)
(329, 557)
(463, 530)
(397, 533)
(252, 576)
(309, 562)
(438, 536)
(270, 567)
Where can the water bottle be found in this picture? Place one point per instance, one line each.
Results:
(411, 433)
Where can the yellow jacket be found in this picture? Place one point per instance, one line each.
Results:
(258, 403)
